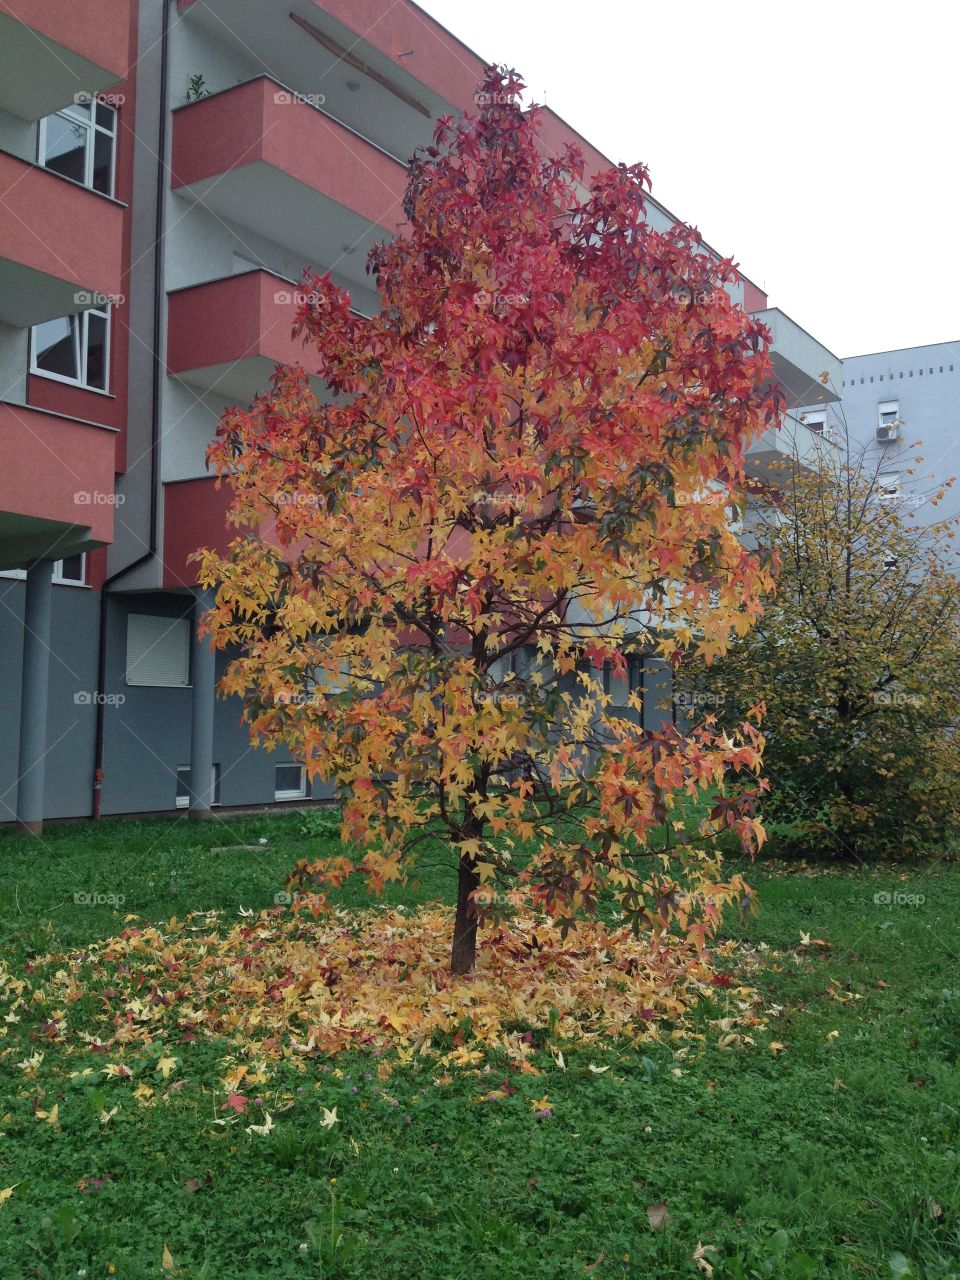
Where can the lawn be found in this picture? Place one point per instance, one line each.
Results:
(835, 1155)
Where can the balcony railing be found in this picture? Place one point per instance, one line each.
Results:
(227, 335)
(56, 485)
(50, 51)
(61, 245)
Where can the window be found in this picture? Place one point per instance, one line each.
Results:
(888, 487)
(183, 785)
(74, 349)
(158, 650)
(80, 143)
(290, 782)
(72, 571)
(888, 411)
(816, 422)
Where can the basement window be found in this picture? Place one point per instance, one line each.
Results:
(183, 785)
(290, 782)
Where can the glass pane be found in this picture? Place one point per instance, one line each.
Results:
(65, 149)
(79, 109)
(106, 117)
(183, 785)
(288, 778)
(56, 349)
(97, 353)
(71, 568)
(102, 163)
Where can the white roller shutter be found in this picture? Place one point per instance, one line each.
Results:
(158, 650)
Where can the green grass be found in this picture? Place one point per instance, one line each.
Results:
(839, 1156)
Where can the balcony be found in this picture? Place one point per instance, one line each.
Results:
(52, 51)
(260, 156)
(60, 244)
(794, 443)
(56, 485)
(226, 335)
(799, 361)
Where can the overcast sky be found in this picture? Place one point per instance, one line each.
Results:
(816, 142)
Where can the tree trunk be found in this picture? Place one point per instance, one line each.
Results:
(463, 954)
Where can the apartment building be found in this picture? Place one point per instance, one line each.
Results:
(900, 404)
(168, 169)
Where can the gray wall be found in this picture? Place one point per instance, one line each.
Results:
(145, 737)
(926, 382)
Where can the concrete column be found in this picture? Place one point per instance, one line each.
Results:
(201, 719)
(33, 696)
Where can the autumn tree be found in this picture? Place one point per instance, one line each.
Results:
(438, 559)
(856, 661)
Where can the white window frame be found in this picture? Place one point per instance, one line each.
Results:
(82, 342)
(287, 794)
(155, 684)
(60, 580)
(885, 407)
(57, 578)
(93, 128)
(888, 487)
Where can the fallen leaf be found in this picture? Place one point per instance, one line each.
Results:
(7, 1192)
(329, 1118)
(165, 1066)
(262, 1129)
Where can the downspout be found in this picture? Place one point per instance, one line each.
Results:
(156, 381)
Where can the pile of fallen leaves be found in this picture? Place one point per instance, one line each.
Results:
(278, 985)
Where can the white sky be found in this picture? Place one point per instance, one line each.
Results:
(817, 142)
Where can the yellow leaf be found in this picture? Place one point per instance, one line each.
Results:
(329, 1118)
(776, 1047)
(7, 1192)
(165, 1066)
(167, 1262)
(52, 1116)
